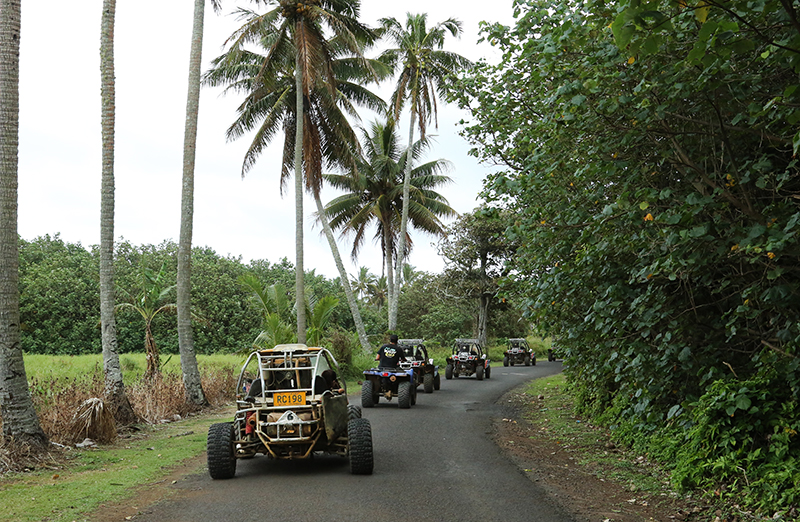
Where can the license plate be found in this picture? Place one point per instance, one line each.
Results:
(289, 399)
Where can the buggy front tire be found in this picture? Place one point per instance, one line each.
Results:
(427, 383)
(359, 446)
(479, 373)
(221, 459)
(437, 382)
(353, 412)
(448, 371)
(367, 395)
(505, 360)
(404, 395)
(488, 372)
(527, 360)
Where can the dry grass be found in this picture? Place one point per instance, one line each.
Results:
(69, 410)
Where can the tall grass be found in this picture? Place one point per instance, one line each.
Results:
(60, 384)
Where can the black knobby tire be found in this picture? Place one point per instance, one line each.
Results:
(527, 360)
(359, 444)
(479, 373)
(488, 372)
(448, 371)
(505, 360)
(427, 383)
(404, 394)
(353, 412)
(367, 395)
(221, 459)
(413, 395)
(550, 356)
(533, 360)
(437, 382)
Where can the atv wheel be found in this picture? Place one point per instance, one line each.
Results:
(353, 412)
(437, 382)
(527, 360)
(404, 394)
(488, 372)
(505, 360)
(550, 356)
(367, 395)
(413, 395)
(533, 360)
(359, 446)
(448, 371)
(221, 460)
(479, 373)
(427, 383)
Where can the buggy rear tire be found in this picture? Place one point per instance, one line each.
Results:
(221, 459)
(427, 383)
(437, 382)
(359, 446)
(404, 390)
(505, 360)
(479, 373)
(353, 412)
(367, 395)
(448, 371)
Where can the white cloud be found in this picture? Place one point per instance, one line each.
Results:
(60, 164)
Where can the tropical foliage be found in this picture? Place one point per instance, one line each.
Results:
(649, 161)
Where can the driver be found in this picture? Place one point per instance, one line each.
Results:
(390, 355)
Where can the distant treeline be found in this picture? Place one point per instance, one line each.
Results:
(60, 302)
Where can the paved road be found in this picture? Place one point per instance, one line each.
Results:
(434, 461)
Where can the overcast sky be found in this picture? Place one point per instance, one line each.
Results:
(60, 143)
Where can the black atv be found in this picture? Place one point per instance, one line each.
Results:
(518, 352)
(467, 359)
(425, 372)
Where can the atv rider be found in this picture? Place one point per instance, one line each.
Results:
(390, 355)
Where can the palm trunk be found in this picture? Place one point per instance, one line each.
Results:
(20, 422)
(151, 355)
(389, 259)
(348, 291)
(403, 224)
(193, 387)
(300, 287)
(114, 388)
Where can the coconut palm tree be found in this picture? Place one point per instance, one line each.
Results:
(192, 385)
(20, 422)
(378, 292)
(361, 282)
(149, 302)
(114, 387)
(376, 194)
(323, 78)
(425, 70)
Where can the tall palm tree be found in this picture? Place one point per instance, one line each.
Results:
(425, 70)
(378, 291)
(192, 385)
(20, 422)
(322, 77)
(114, 387)
(376, 194)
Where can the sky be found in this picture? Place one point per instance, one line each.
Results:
(60, 141)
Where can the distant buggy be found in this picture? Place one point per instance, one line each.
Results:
(467, 359)
(425, 372)
(518, 352)
(290, 405)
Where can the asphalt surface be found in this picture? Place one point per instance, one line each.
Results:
(435, 461)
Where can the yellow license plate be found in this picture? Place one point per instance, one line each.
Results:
(289, 399)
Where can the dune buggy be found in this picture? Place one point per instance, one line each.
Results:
(467, 358)
(425, 372)
(388, 383)
(289, 405)
(518, 352)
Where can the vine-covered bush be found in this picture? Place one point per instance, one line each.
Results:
(648, 153)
